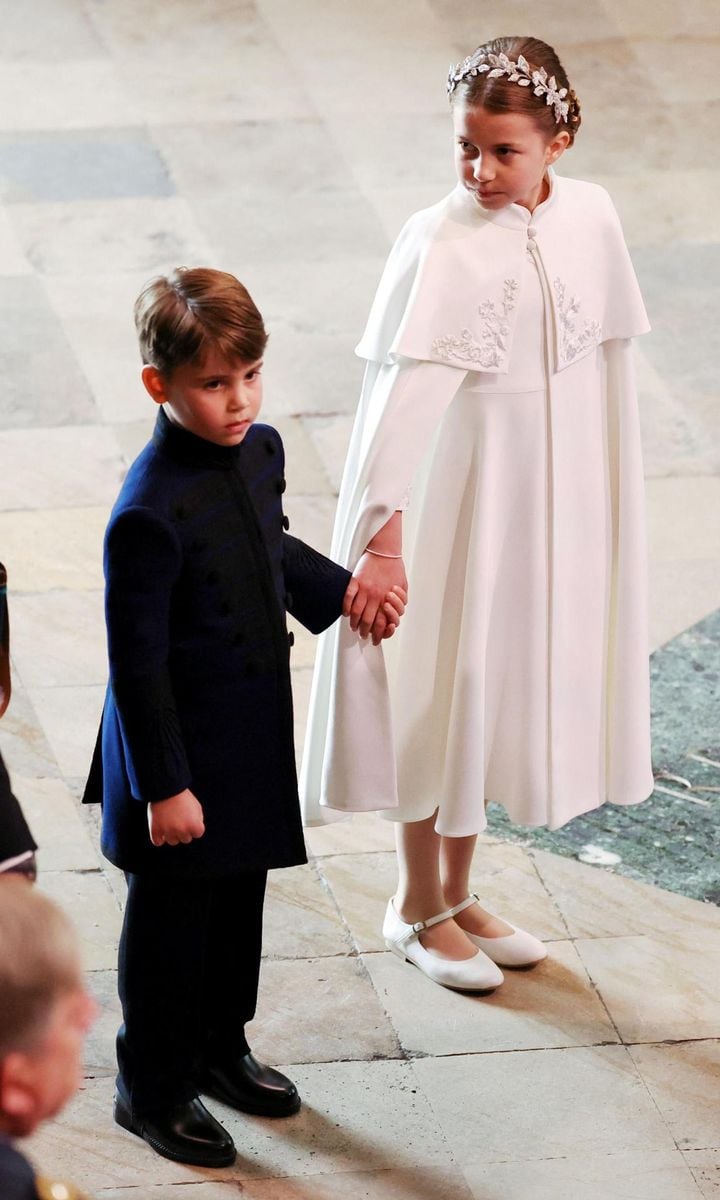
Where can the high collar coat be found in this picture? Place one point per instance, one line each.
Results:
(200, 571)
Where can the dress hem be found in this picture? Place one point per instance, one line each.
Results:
(391, 814)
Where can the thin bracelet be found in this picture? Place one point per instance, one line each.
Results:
(380, 554)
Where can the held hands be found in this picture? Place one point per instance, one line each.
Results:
(376, 597)
(388, 617)
(177, 819)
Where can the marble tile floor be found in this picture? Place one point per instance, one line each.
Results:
(287, 140)
(593, 1075)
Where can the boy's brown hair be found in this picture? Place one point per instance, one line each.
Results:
(180, 316)
(39, 963)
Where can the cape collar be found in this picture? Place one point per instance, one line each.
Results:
(179, 444)
(513, 216)
(452, 287)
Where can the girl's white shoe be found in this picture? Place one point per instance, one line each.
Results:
(476, 974)
(516, 949)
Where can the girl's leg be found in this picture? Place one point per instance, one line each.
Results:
(456, 855)
(420, 892)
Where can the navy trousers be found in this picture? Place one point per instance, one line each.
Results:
(188, 973)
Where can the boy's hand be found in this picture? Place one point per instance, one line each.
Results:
(389, 615)
(373, 579)
(177, 819)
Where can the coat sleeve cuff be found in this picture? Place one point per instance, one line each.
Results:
(155, 754)
(315, 584)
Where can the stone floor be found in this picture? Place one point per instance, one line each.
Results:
(286, 140)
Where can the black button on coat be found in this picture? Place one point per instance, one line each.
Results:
(198, 569)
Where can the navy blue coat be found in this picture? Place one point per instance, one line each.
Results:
(199, 572)
(17, 1177)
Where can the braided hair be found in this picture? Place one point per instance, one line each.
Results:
(498, 93)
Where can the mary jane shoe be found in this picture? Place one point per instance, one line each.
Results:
(476, 974)
(516, 949)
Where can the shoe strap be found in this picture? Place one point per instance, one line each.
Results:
(443, 916)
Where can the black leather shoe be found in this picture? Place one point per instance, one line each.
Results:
(186, 1133)
(252, 1087)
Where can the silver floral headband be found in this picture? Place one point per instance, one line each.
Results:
(519, 72)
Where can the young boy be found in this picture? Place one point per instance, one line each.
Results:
(45, 1013)
(195, 765)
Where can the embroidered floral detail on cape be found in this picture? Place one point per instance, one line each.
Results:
(573, 340)
(490, 350)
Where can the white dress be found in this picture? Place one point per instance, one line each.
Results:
(519, 674)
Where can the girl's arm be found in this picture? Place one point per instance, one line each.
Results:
(379, 571)
(401, 408)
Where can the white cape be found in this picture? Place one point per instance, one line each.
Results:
(445, 313)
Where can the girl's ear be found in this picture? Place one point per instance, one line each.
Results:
(557, 146)
(154, 384)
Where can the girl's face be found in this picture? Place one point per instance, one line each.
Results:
(502, 157)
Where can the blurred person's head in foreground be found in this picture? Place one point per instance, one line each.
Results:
(45, 1011)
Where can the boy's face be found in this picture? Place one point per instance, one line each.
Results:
(36, 1085)
(215, 399)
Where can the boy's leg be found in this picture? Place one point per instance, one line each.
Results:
(162, 951)
(159, 980)
(233, 949)
(234, 946)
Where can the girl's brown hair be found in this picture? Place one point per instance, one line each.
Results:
(179, 317)
(500, 94)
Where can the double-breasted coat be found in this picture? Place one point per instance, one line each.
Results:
(200, 571)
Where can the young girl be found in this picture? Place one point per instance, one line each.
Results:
(499, 410)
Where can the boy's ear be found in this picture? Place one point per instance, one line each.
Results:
(154, 384)
(17, 1097)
